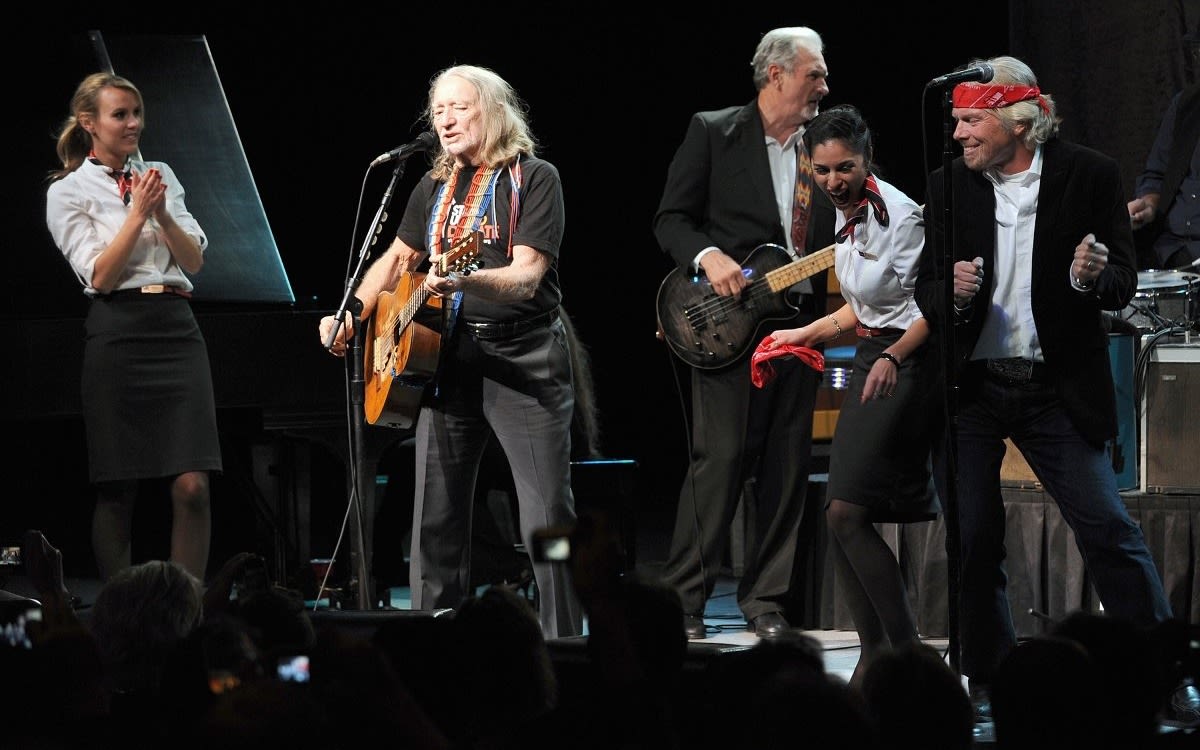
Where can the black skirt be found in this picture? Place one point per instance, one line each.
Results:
(148, 403)
(881, 449)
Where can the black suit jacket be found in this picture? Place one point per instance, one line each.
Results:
(718, 193)
(1081, 192)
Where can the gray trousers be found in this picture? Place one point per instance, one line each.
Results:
(519, 389)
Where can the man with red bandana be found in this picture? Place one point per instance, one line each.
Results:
(1041, 245)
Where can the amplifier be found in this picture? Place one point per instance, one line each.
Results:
(1170, 420)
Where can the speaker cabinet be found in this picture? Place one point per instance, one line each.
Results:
(1171, 419)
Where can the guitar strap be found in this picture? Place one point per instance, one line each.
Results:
(466, 217)
(453, 303)
(482, 201)
(514, 178)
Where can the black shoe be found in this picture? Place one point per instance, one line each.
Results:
(981, 703)
(1185, 705)
(770, 625)
(693, 628)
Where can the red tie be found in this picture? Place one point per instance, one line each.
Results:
(802, 202)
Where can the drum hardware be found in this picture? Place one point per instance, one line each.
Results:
(1164, 300)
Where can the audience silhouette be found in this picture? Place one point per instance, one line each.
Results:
(917, 700)
(161, 660)
(1047, 693)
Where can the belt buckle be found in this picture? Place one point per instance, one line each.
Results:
(154, 289)
(1016, 369)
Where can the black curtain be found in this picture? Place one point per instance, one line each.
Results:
(1111, 66)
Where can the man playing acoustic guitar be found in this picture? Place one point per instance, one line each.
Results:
(505, 365)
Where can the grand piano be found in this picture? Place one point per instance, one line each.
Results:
(282, 401)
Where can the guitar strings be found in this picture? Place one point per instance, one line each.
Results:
(723, 304)
(458, 258)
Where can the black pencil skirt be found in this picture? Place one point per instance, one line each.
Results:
(881, 449)
(148, 403)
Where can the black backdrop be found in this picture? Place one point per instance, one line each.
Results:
(610, 87)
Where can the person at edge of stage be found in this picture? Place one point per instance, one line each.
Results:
(505, 364)
(1164, 211)
(1042, 247)
(879, 468)
(739, 180)
(148, 405)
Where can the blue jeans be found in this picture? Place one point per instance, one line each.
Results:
(1080, 479)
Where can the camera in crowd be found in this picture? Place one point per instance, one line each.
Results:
(552, 544)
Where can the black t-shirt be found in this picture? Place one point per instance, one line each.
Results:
(540, 225)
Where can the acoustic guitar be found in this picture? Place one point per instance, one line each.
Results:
(401, 355)
(709, 331)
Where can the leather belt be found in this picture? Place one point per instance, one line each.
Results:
(507, 330)
(1018, 370)
(151, 289)
(867, 333)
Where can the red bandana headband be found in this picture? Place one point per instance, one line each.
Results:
(996, 95)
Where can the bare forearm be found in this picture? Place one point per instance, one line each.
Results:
(499, 285)
(384, 274)
(184, 248)
(111, 262)
(515, 282)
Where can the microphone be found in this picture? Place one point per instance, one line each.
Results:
(981, 72)
(424, 142)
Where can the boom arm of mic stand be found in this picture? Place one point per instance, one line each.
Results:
(949, 363)
(362, 480)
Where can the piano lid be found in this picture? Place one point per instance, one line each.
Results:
(191, 127)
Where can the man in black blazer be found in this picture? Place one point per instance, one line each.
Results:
(730, 189)
(1041, 245)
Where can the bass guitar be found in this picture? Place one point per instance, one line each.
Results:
(401, 355)
(709, 331)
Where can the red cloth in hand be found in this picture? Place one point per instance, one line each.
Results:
(763, 372)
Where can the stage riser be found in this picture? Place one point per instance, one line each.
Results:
(1044, 566)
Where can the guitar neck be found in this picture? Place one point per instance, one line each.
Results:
(798, 270)
(415, 300)
(463, 252)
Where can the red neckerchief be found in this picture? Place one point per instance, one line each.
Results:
(872, 198)
(124, 179)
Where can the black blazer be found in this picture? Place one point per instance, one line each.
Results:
(718, 193)
(1080, 192)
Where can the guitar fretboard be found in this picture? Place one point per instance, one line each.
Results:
(385, 345)
(801, 268)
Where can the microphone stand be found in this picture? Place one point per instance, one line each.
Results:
(360, 482)
(949, 364)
